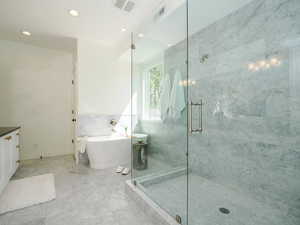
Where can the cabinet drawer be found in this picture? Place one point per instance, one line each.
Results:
(9, 157)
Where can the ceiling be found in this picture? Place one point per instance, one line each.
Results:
(100, 21)
(50, 23)
(173, 28)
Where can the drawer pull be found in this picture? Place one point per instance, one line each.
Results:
(18, 146)
(18, 161)
(8, 138)
(18, 134)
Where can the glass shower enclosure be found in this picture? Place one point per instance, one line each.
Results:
(216, 111)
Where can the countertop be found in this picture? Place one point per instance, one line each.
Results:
(6, 130)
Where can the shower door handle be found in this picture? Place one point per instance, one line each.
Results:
(200, 108)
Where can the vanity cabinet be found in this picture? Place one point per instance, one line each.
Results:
(9, 156)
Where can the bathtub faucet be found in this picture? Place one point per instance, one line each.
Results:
(113, 122)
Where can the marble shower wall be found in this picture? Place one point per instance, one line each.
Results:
(251, 138)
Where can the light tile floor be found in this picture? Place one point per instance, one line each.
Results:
(84, 197)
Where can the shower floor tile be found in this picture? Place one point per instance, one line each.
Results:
(206, 200)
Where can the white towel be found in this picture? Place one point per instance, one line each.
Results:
(80, 147)
(177, 99)
(82, 142)
(165, 87)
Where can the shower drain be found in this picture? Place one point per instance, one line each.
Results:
(224, 210)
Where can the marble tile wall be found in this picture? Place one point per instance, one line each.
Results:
(99, 124)
(251, 138)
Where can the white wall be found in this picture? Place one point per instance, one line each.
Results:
(35, 93)
(104, 80)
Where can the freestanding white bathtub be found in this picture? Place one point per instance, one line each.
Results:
(108, 151)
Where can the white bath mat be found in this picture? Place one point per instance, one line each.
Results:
(26, 192)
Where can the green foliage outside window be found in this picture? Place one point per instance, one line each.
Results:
(155, 79)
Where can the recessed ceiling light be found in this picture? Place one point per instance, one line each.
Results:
(74, 12)
(123, 29)
(26, 33)
(141, 35)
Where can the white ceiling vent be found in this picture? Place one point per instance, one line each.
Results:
(120, 3)
(129, 6)
(125, 5)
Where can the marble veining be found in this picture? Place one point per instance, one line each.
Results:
(251, 117)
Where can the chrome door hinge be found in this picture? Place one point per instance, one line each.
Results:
(178, 219)
(133, 46)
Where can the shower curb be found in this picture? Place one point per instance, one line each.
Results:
(159, 216)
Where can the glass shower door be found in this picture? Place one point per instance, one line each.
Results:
(244, 66)
(159, 110)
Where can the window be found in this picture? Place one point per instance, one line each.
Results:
(151, 90)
